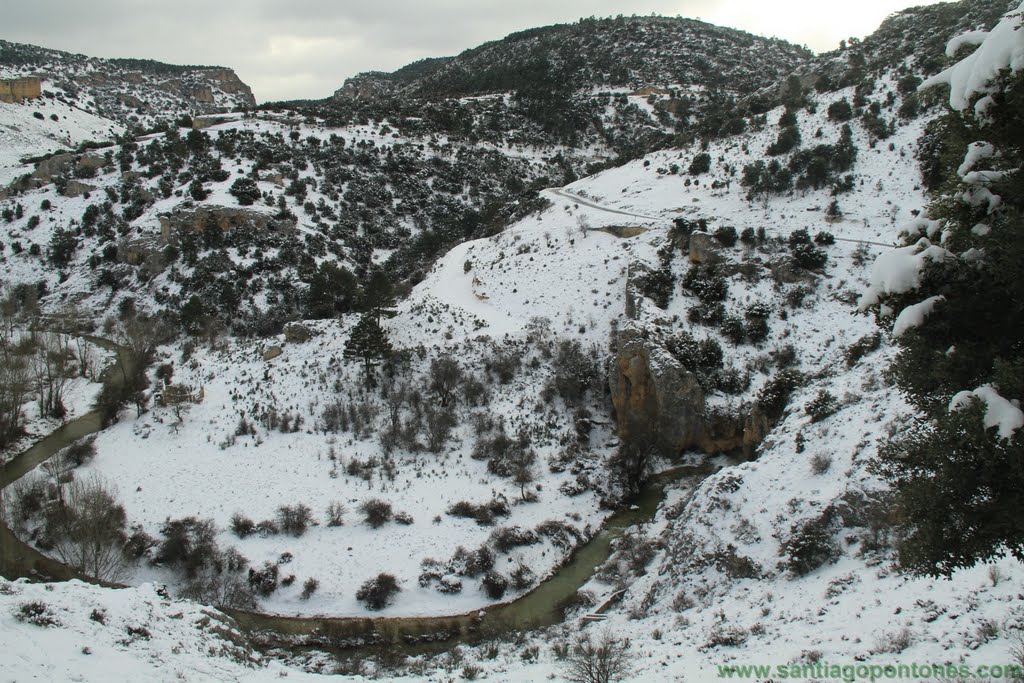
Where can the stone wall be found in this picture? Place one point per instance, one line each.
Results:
(14, 90)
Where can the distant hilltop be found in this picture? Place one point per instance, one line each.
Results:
(124, 90)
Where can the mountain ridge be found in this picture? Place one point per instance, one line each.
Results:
(586, 53)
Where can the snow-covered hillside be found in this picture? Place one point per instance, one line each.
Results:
(43, 126)
(722, 287)
(132, 92)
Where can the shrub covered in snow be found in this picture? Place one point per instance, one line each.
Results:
(378, 592)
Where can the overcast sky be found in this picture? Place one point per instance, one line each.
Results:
(307, 48)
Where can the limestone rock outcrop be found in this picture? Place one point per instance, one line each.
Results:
(656, 400)
(660, 403)
(14, 90)
(225, 218)
(364, 86)
(54, 166)
(76, 188)
(703, 248)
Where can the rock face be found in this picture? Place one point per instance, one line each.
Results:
(54, 166)
(656, 400)
(76, 188)
(219, 217)
(659, 403)
(365, 86)
(15, 90)
(703, 248)
(297, 333)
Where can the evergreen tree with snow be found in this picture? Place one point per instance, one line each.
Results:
(369, 344)
(958, 290)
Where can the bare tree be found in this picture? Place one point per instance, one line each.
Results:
(445, 375)
(522, 474)
(603, 661)
(86, 358)
(52, 368)
(15, 388)
(140, 336)
(395, 397)
(88, 530)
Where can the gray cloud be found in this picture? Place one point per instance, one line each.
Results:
(307, 48)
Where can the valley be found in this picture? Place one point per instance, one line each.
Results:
(580, 339)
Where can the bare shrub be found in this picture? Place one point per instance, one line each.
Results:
(309, 587)
(995, 574)
(403, 518)
(264, 581)
(241, 525)
(506, 538)
(80, 452)
(376, 512)
(189, 544)
(821, 463)
(37, 613)
(483, 513)
(601, 661)
(439, 424)
(522, 577)
(894, 643)
(221, 589)
(494, 584)
(336, 514)
(294, 519)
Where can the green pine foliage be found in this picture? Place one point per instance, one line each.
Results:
(959, 490)
(959, 484)
(368, 343)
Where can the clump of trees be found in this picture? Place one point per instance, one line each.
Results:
(86, 529)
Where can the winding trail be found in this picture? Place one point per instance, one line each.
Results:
(564, 194)
(572, 197)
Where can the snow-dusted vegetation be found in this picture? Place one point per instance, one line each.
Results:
(739, 384)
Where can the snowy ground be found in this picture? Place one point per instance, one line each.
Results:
(201, 468)
(718, 590)
(77, 632)
(61, 128)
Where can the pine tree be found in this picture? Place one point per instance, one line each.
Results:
(368, 343)
(378, 296)
(958, 480)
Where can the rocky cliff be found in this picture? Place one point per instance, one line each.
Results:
(661, 404)
(126, 90)
(18, 89)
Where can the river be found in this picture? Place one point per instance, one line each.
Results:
(542, 606)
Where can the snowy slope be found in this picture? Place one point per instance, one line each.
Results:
(77, 632)
(62, 127)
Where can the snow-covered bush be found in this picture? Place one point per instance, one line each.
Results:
(376, 512)
(378, 592)
(494, 584)
(811, 543)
